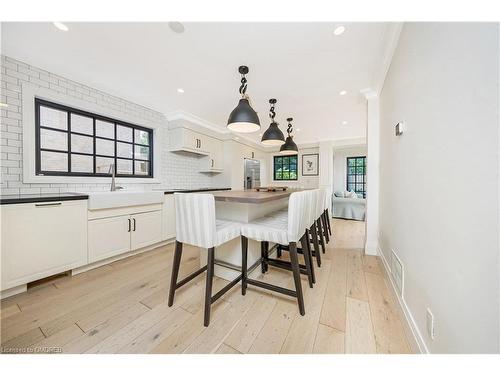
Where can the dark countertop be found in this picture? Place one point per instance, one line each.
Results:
(172, 191)
(38, 198)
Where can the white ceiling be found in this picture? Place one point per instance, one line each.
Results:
(303, 65)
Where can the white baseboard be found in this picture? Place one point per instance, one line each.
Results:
(13, 291)
(417, 343)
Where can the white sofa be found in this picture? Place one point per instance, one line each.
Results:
(349, 208)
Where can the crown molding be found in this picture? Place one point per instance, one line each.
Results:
(390, 40)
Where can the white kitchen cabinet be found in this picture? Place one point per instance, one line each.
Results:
(109, 237)
(42, 239)
(146, 229)
(215, 157)
(182, 139)
(168, 220)
(115, 235)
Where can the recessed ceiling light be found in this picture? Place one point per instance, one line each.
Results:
(343, 92)
(176, 27)
(236, 138)
(344, 122)
(180, 90)
(61, 26)
(4, 105)
(339, 30)
(297, 130)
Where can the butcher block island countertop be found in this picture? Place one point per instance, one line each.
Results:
(251, 196)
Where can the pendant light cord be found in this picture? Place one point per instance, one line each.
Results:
(289, 129)
(272, 114)
(243, 87)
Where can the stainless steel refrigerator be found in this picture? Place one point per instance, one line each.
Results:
(251, 174)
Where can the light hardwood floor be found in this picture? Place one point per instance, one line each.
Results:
(121, 308)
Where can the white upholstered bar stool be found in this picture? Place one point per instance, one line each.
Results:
(284, 232)
(196, 225)
(326, 213)
(318, 228)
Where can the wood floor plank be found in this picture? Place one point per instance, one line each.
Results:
(25, 340)
(387, 327)
(334, 310)
(359, 336)
(226, 349)
(371, 263)
(9, 310)
(356, 286)
(329, 341)
(61, 338)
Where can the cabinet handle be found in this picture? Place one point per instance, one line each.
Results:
(200, 143)
(129, 224)
(134, 225)
(212, 162)
(252, 155)
(48, 204)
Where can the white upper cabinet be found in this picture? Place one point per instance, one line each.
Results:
(215, 149)
(182, 139)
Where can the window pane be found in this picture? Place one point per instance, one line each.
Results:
(54, 161)
(141, 152)
(104, 147)
(124, 133)
(104, 129)
(102, 164)
(123, 166)
(142, 167)
(81, 143)
(360, 170)
(82, 124)
(293, 175)
(359, 187)
(293, 160)
(360, 162)
(53, 139)
(285, 160)
(351, 162)
(53, 118)
(278, 175)
(82, 163)
(141, 137)
(286, 175)
(351, 170)
(124, 150)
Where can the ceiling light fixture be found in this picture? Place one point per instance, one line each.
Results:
(339, 30)
(342, 93)
(180, 90)
(289, 147)
(61, 26)
(273, 136)
(344, 122)
(176, 27)
(243, 119)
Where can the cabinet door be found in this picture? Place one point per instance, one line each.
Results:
(42, 239)
(109, 237)
(168, 213)
(146, 229)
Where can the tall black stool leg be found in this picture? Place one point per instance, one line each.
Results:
(278, 252)
(175, 272)
(325, 227)
(262, 257)
(307, 258)
(309, 250)
(244, 255)
(328, 218)
(317, 251)
(208, 287)
(266, 255)
(321, 237)
(296, 276)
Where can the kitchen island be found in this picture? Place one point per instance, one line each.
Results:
(243, 206)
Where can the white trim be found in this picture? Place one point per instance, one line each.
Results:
(183, 115)
(417, 342)
(390, 40)
(30, 92)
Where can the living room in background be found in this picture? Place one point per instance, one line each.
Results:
(285, 168)
(356, 175)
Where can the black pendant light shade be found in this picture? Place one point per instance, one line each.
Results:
(273, 136)
(243, 119)
(289, 147)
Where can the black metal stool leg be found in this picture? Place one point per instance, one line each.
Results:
(296, 276)
(321, 237)
(325, 227)
(263, 257)
(208, 287)
(244, 256)
(309, 250)
(175, 272)
(307, 258)
(328, 222)
(317, 251)
(266, 255)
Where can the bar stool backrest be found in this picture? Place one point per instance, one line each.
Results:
(328, 199)
(298, 215)
(195, 219)
(320, 205)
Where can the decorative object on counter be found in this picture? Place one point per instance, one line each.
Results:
(271, 188)
(310, 165)
(243, 119)
(289, 147)
(273, 136)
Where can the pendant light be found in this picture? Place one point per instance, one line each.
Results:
(289, 147)
(243, 119)
(273, 136)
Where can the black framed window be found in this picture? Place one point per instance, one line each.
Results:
(356, 175)
(285, 167)
(71, 142)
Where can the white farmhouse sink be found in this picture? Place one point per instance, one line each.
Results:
(122, 198)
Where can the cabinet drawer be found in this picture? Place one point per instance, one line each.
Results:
(42, 239)
(109, 237)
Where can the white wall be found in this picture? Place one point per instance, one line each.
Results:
(177, 171)
(439, 187)
(302, 181)
(340, 156)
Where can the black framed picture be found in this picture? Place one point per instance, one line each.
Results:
(310, 165)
